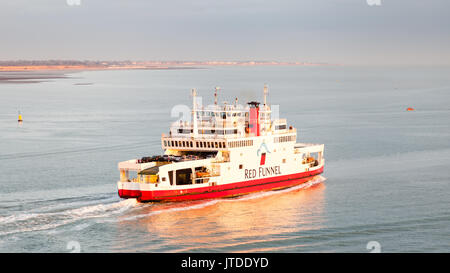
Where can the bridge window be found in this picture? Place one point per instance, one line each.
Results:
(280, 127)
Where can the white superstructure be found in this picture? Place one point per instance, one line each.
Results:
(225, 150)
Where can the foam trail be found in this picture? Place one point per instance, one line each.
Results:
(316, 180)
(182, 207)
(73, 204)
(17, 218)
(43, 221)
(50, 220)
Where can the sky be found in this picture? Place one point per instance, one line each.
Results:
(347, 32)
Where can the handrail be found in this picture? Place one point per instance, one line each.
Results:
(201, 180)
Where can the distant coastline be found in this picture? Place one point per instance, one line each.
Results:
(24, 65)
(31, 76)
(23, 71)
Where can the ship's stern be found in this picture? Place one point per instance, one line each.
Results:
(128, 189)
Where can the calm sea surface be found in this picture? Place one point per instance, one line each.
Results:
(386, 179)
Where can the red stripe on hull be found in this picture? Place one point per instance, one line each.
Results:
(227, 190)
(129, 193)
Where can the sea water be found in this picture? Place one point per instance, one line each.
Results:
(386, 180)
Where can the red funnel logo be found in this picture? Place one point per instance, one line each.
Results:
(263, 155)
(263, 159)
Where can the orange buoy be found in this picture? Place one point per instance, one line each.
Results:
(410, 109)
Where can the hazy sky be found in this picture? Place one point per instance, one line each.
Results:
(332, 31)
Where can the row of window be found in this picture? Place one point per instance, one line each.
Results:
(280, 127)
(218, 131)
(240, 143)
(186, 176)
(284, 139)
(209, 132)
(194, 144)
(223, 115)
(184, 131)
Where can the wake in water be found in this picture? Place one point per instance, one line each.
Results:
(27, 222)
(48, 219)
(314, 181)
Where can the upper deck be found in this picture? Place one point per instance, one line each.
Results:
(219, 127)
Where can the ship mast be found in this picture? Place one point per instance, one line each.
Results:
(215, 94)
(266, 91)
(194, 113)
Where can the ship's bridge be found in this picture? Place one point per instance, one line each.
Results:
(213, 122)
(214, 127)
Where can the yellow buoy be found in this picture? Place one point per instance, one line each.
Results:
(20, 117)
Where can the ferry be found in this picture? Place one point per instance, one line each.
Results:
(224, 150)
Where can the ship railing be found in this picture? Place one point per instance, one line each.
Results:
(284, 131)
(209, 124)
(312, 149)
(220, 160)
(201, 180)
(308, 146)
(279, 121)
(200, 136)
